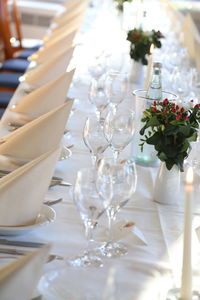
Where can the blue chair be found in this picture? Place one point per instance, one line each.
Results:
(15, 65)
(5, 98)
(1, 112)
(9, 81)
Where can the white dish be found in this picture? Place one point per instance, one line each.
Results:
(46, 216)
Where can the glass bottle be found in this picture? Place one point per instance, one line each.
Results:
(154, 91)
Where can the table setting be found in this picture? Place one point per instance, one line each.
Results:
(116, 216)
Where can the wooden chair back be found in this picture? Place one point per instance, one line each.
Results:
(5, 28)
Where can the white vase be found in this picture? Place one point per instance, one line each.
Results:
(167, 185)
(136, 74)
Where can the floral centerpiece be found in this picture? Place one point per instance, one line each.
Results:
(170, 128)
(120, 4)
(141, 42)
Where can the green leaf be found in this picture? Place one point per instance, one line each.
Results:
(162, 156)
(185, 146)
(193, 137)
(153, 122)
(154, 139)
(185, 130)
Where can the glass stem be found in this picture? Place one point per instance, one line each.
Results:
(94, 159)
(89, 235)
(116, 154)
(98, 115)
(111, 217)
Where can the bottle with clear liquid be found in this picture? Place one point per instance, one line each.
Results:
(154, 91)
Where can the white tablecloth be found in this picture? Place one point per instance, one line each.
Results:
(146, 272)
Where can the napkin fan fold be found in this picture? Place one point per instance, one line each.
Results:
(19, 278)
(45, 98)
(48, 70)
(22, 191)
(38, 136)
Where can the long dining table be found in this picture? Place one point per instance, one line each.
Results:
(149, 269)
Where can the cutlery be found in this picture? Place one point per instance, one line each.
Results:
(49, 202)
(16, 252)
(54, 181)
(21, 243)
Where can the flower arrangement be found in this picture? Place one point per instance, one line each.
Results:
(120, 3)
(141, 42)
(170, 129)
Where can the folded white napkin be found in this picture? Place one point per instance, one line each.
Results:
(19, 278)
(48, 70)
(45, 98)
(58, 38)
(51, 48)
(63, 30)
(126, 230)
(72, 4)
(67, 16)
(22, 191)
(38, 136)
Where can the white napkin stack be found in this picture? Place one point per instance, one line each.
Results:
(19, 278)
(51, 48)
(46, 98)
(49, 70)
(38, 136)
(22, 191)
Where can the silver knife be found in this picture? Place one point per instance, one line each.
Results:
(21, 243)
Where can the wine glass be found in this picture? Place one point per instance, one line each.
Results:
(94, 138)
(116, 86)
(116, 182)
(97, 66)
(119, 127)
(98, 97)
(87, 202)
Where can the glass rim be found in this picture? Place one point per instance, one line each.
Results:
(142, 90)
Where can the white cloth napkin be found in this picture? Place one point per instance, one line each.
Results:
(38, 136)
(48, 70)
(72, 4)
(22, 191)
(125, 230)
(45, 98)
(63, 30)
(67, 16)
(52, 47)
(19, 278)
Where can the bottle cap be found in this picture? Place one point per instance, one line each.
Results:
(157, 65)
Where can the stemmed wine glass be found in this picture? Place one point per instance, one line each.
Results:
(98, 97)
(97, 66)
(119, 127)
(94, 138)
(116, 86)
(116, 182)
(87, 202)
